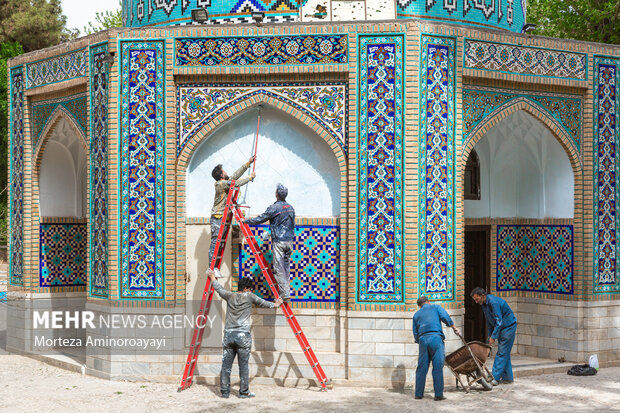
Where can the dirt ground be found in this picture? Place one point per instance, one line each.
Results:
(28, 385)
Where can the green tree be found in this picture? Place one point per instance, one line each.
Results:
(591, 20)
(35, 24)
(105, 21)
(7, 50)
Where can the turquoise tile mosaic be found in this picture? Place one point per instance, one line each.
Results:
(495, 14)
(315, 271)
(436, 191)
(63, 260)
(16, 175)
(142, 170)
(380, 152)
(261, 50)
(535, 258)
(99, 90)
(606, 175)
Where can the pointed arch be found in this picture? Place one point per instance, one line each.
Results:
(308, 119)
(575, 160)
(59, 113)
(207, 129)
(539, 113)
(79, 225)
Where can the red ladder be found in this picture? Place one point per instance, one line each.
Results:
(216, 261)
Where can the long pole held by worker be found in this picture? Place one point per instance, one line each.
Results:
(254, 149)
(256, 138)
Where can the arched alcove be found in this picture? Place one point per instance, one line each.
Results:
(524, 172)
(63, 176)
(288, 152)
(519, 236)
(62, 172)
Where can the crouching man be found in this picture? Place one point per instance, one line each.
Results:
(501, 326)
(429, 335)
(237, 338)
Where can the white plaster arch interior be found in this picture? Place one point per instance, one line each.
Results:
(524, 172)
(63, 174)
(288, 152)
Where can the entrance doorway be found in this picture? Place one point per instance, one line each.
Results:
(477, 274)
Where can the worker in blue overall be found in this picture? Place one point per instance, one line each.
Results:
(501, 327)
(281, 217)
(429, 335)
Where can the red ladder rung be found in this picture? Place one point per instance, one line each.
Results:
(290, 317)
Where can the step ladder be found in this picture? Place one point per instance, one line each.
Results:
(232, 209)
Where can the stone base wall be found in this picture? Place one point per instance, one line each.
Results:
(381, 348)
(360, 348)
(354, 348)
(572, 330)
(602, 336)
(22, 337)
(550, 329)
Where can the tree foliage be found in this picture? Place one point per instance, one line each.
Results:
(591, 20)
(35, 24)
(105, 21)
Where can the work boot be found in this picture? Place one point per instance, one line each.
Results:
(419, 397)
(246, 395)
(439, 398)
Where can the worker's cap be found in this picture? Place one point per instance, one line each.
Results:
(282, 191)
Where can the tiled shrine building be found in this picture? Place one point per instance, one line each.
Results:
(428, 147)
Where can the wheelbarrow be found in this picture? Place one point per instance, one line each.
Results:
(469, 361)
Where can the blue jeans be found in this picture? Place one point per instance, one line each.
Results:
(431, 349)
(236, 343)
(502, 366)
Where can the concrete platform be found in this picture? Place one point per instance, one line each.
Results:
(523, 366)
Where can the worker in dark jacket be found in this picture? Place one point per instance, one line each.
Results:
(237, 337)
(222, 185)
(501, 327)
(281, 216)
(428, 333)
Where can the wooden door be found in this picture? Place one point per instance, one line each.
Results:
(477, 274)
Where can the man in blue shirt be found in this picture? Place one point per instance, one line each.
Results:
(501, 327)
(429, 335)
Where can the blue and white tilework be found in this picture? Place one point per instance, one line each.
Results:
(380, 155)
(62, 261)
(525, 60)
(323, 102)
(16, 201)
(436, 223)
(56, 69)
(482, 103)
(606, 175)
(259, 51)
(535, 258)
(75, 106)
(138, 13)
(314, 263)
(99, 77)
(142, 170)
(496, 14)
